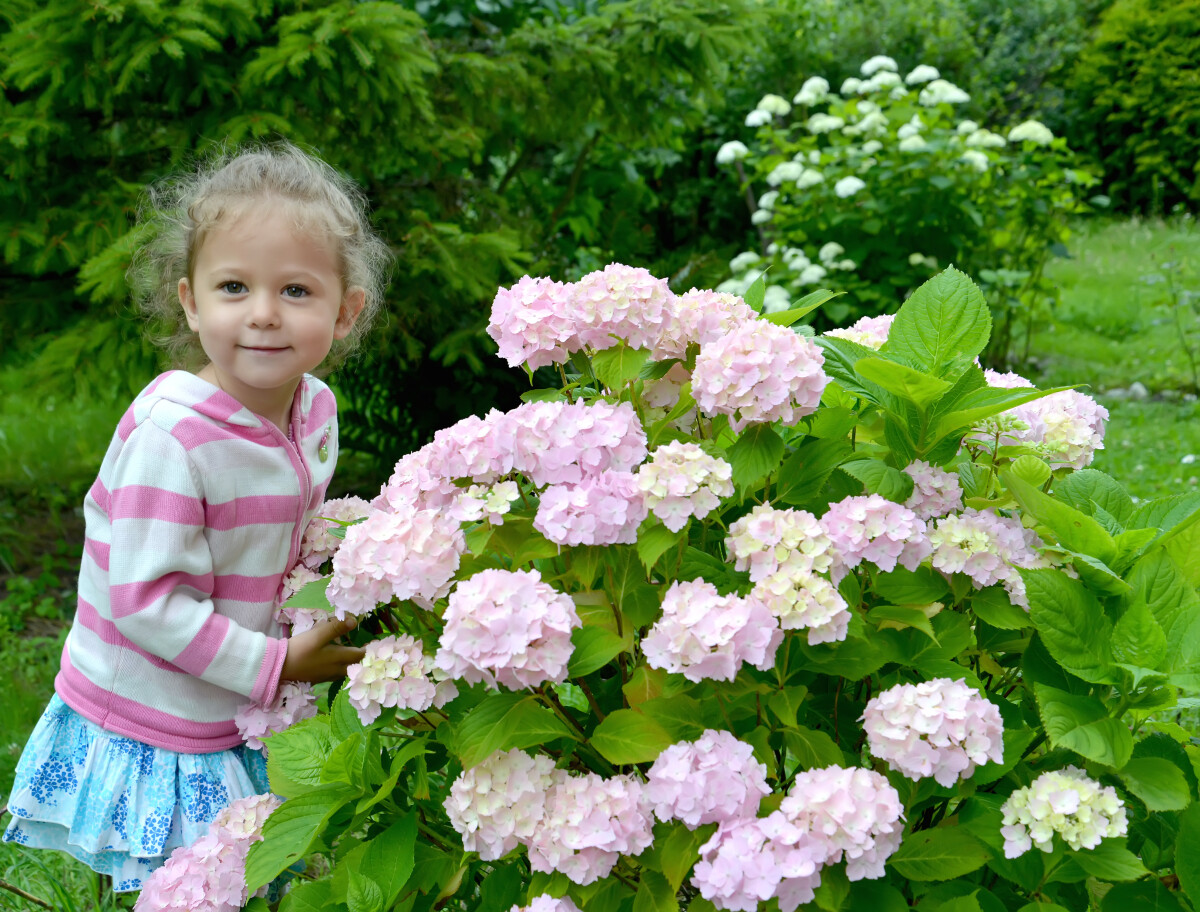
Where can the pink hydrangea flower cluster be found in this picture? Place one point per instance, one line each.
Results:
(411, 555)
(715, 779)
(531, 323)
(395, 672)
(759, 372)
(829, 814)
(870, 332)
(602, 509)
(298, 619)
(802, 600)
(681, 481)
(940, 728)
(742, 866)
(578, 825)
(547, 903)
(319, 543)
(874, 529)
(539, 321)
(702, 634)
(765, 537)
(1066, 802)
(507, 627)
(988, 548)
(210, 874)
(622, 301)
(496, 804)
(561, 443)
(936, 492)
(1067, 426)
(588, 823)
(661, 395)
(294, 701)
(701, 317)
(852, 813)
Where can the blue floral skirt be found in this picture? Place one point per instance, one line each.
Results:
(120, 806)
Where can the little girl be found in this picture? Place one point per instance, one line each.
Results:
(262, 262)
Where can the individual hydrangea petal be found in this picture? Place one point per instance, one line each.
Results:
(294, 701)
(715, 779)
(1067, 802)
(759, 372)
(590, 821)
(496, 804)
(940, 728)
(702, 634)
(874, 529)
(507, 627)
(681, 480)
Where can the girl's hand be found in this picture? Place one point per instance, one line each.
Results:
(313, 656)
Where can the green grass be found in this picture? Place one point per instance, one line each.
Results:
(1117, 325)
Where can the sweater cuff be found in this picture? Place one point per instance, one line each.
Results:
(266, 686)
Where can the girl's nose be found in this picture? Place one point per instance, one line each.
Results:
(264, 310)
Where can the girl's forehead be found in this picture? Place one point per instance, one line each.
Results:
(283, 222)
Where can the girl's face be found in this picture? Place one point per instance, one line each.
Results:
(267, 302)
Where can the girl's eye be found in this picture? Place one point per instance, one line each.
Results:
(295, 291)
(232, 288)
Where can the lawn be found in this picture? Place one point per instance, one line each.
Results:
(1129, 314)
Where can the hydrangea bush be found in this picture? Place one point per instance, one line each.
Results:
(835, 625)
(872, 186)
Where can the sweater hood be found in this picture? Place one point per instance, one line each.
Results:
(186, 389)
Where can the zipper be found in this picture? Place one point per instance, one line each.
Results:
(296, 455)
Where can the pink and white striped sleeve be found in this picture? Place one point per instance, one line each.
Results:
(161, 573)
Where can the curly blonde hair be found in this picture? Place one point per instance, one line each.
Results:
(177, 214)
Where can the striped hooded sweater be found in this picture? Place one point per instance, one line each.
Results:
(197, 514)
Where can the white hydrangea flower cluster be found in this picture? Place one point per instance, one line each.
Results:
(939, 91)
(483, 502)
(874, 529)
(715, 779)
(759, 372)
(987, 547)
(702, 634)
(1067, 802)
(802, 600)
(940, 728)
(507, 627)
(681, 481)
(870, 332)
(294, 701)
(765, 537)
(496, 804)
(1032, 131)
(936, 492)
(396, 672)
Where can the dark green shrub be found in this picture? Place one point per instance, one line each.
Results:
(1138, 86)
